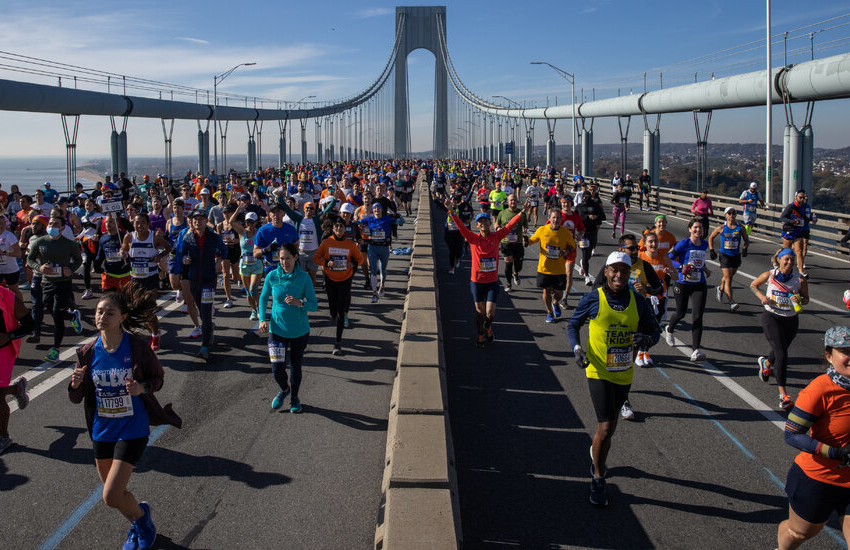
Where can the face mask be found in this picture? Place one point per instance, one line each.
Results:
(53, 232)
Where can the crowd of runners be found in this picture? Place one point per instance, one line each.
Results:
(271, 239)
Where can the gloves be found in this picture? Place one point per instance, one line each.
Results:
(713, 254)
(525, 240)
(655, 303)
(843, 454)
(641, 341)
(743, 252)
(581, 357)
(272, 247)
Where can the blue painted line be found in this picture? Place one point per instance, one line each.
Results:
(77, 515)
(775, 479)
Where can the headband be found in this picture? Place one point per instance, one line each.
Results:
(660, 217)
(785, 252)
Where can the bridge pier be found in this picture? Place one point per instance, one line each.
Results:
(222, 132)
(624, 143)
(281, 144)
(702, 149)
(204, 149)
(71, 149)
(587, 149)
(167, 135)
(550, 144)
(252, 148)
(652, 149)
(118, 146)
(303, 122)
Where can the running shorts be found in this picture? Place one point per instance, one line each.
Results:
(126, 450)
(108, 282)
(607, 398)
(148, 283)
(555, 282)
(234, 253)
(10, 278)
(729, 262)
(512, 249)
(484, 292)
(813, 500)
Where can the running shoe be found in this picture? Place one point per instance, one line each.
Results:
(132, 542)
(145, 527)
(719, 294)
(228, 303)
(24, 286)
(593, 252)
(87, 294)
(581, 271)
(613, 234)
(597, 492)
(785, 402)
(457, 264)
(196, 332)
(639, 359)
(22, 398)
(550, 318)
(381, 291)
(277, 402)
(155, 342)
(52, 355)
(367, 285)
(337, 349)
(804, 275)
(697, 356)
(508, 288)
(4, 442)
(647, 360)
(76, 322)
(516, 279)
(489, 334)
(178, 296)
(345, 322)
(34, 339)
(626, 411)
(587, 281)
(254, 315)
(668, 337)
(451, 271)
(203, 353)
(733, 306)
(480, 341)
(764, 370)
(295, 405)
(556, 307)
(375, 298)
(185, 309)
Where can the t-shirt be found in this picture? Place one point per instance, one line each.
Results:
(552, 243)
(119, 415)
(830, 403)
(268, 233)
(8, 264)
(343, 253)
(506, 216)
(686, 253)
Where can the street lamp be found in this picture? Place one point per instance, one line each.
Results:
(572, 79)
(216, 80)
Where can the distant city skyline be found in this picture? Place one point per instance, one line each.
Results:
(300, 50)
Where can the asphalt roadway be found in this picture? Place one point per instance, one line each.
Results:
(237, 475)
(703, 464)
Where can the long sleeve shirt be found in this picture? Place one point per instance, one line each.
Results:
(57, 253)
(702, 207)
(588, 308)
(485, 250)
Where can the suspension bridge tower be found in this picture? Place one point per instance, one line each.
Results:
(419, 28)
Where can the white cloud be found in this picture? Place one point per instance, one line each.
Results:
(373, 12)
(193, 40)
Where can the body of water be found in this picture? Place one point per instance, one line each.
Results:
(30, 174)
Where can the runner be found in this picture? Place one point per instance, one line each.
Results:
(338, 256)
(271, 236)
(666, 240)
(663, 267)
(288, 327)
(620, 199)
(199, 252)
(689, 260)
(645, 183)
(592, 215)
(484, 277)
(795, 228)
(497, 199)
(532, 195)
(91, 222)
(10, 252)
(556, 243)
(511, 246)
(572, 221)
(731, 234)
(785, 295)
(56, 259)
(16, 322)
(142, 247)
(230, 263)
(818, 482)
(702, 209)
(116, 268)
(618, 323)
(307, 225)
(116, 377)
(250, 268)
(751, 199)
(380, 239)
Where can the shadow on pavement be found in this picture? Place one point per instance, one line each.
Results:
(175, 463)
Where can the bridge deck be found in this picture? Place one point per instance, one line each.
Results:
(702, 464)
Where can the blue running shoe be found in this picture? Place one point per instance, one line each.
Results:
(76, 322)
(52, 355)
(295, 405)
(132, 539)
(345, 321)
(557, 308)
(203, 353)
(550, 318)
(278, 400)
(145, 527)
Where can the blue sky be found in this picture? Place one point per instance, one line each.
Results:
(334, 48)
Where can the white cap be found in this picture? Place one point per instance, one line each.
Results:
(205, 191)
(728, 209)
(251, 216)
(347, 207)
(753, 185)
(618, 258)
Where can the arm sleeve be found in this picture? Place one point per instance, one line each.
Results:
(76, 255)
(296, 216)
(785, 217)
(797, 428)
(647, 325)
(655, 286)
(587, 308)
(32, 257)
(264, 299)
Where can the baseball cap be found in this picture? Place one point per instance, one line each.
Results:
(618, 258)
(483, 215)
(837, 337)
(197, 212)
(251, 216)
(728, 209)
(244, 197)
(41, 218)
(753, 185)
(205, 191)
(347, 207)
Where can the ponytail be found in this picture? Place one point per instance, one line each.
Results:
(136, 302)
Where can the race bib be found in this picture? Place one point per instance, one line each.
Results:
(306, 235)
(366, 231)
(114, 404)
(781, 300)
(731, 244)
(248, 259)
(451, 225)
(339, 257)
(618, 359)
(277, 353)
(207, 295)
(750, 208)
(512, 237)
(140, 269)
(583, 243)
(379, 235)
(534, 202)
(622, 200)
(552, 252)
(487, 265)
(54, 270)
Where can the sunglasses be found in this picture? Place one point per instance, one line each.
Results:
(630, 248)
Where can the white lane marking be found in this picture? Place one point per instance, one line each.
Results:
(65, 373)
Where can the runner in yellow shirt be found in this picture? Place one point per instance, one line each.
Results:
(556, 242)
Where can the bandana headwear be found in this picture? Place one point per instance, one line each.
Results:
(837, 337)
(660, 217)
(785, 252)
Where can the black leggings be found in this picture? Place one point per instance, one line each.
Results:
(780, 332)
(339, 299)
(57, 300)
(455, 242)
(696, 294)
(587, 252)
(281, 349)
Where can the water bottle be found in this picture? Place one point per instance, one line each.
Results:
(797, 307)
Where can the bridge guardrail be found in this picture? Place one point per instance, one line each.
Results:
(419, 503)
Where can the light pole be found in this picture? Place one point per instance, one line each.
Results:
(572, 79)
(216, 80)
